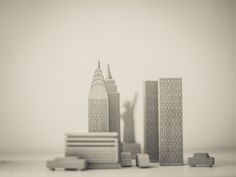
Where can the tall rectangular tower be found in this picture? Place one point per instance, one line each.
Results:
(151, 120)
(114, 104)
(171, 131)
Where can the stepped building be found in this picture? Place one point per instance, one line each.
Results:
(98, 104)
(114, 104)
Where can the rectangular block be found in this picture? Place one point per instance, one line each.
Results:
(103, 165)
(126, 159)
(151, 146)
(171, 130)
(94, 147)
(134, 148)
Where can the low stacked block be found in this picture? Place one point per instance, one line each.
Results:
(94, 147)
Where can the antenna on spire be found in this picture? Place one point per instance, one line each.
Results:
(98, 64)
(108, 72)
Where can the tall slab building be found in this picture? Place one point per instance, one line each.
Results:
(114, 104)
(171, 129)
(151, 120)
(98, 105)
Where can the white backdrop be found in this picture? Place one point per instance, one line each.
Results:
(49, 51)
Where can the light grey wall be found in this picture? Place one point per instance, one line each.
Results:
(49, 51)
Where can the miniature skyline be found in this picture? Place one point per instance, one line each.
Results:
(101, 146)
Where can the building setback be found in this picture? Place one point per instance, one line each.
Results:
(151, 120)
(98, 108)
(171, 131)
(114, 104)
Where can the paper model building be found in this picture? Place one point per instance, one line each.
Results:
(94, 147)
(171, 131)
(151, 120)
(98, 105)
(114, 104)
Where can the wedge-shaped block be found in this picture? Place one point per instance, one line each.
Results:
(143, 161)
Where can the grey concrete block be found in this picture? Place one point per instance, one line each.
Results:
(134, 148)
(143, 161)
(126, 159)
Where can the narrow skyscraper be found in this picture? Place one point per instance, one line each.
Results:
(98, 105)
(151, 120)
(171, 128)
(114, 104)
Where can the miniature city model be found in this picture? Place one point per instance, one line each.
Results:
(67, 163)
(201, 159)
(94, 147)
(101, 147)
(98, 106)
(171, 132)
(151, 120)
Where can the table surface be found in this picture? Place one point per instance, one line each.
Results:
(28, 165)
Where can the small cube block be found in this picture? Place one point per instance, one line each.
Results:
(142, 160)
(126, 159)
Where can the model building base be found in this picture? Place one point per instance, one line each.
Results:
(94, 147)
(67, 163)
(103, 165)
(134, 148)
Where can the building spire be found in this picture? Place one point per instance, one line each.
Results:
(98, 64)
(108, 72)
